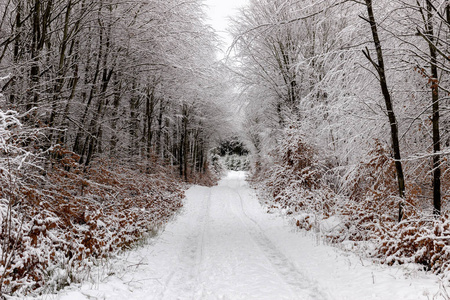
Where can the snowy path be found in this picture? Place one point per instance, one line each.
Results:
(224, 246)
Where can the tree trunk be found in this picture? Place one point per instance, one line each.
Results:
(77, 146)
(185, 146)
(159, 135)
(34, 72)
(447, 10)
(133, 122)
(180, 154)
(435, 117)
(62, 70)
(95, 127)
(379, 66)
(150, 104)
(115, 113)
(184, 143)
(73, 86)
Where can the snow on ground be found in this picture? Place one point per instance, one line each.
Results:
(223, 245)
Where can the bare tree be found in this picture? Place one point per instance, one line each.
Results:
(380, 68)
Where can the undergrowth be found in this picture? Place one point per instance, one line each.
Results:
(58, 226)
(362, 208)
(58, 217)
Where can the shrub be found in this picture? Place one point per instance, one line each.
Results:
(55, 224)
(365, 208)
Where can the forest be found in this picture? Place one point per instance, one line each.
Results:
(105, 111)
(347, 121)
(110, 109)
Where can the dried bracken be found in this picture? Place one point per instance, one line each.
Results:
(54, 228)
(364, 212)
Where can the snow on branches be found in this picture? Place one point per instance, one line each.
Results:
(361, 213)
(56, 224)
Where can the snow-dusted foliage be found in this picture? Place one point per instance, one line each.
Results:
(344, 123)
(235, 162)
(363, 214)
(56, 224)
(74, 218)
(114, 100)
(16, 162)
(293, 183)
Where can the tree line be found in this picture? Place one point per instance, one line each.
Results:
(352, 76)
(106, 107)
(127, 80)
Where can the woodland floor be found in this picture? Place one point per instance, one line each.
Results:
(223, 245)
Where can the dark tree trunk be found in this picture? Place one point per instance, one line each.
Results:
(435, 117)
(185, 144)
(115, 113)
(34, 72)
(149, 109)
(180, 154)
(447, 10)
(133, 123)
(73, 86)
(159, 135)
(61, 74)
(379, 66)
(95, 125)
(77, 146)
(16, 51)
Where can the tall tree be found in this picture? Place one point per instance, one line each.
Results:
(380, 68)
(427, 13)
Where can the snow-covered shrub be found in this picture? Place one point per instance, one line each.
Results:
(19, 168)
(206, 177)
(216, 164)
(365, 212)
(235, 162)
(292, 183)
(425, 241)
(76, 215)
(372, 204)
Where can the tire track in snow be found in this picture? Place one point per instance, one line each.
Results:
(300, 284)
(198, 291)
(224, 246)
(184, 279)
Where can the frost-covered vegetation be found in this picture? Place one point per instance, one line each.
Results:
(109, 108)
(57, 222)
(363, 217)
(231, 154)
(347, 121)
(106, 113)
(236, 162)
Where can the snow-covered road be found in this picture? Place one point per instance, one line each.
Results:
(224, 245)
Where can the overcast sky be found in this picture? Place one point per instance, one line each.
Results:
(219, 11)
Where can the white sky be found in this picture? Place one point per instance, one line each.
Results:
(219, 11)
